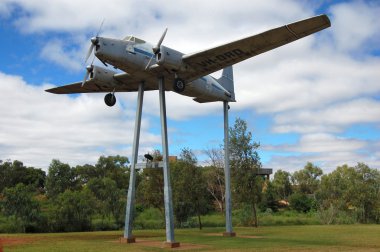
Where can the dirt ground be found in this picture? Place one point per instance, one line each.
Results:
(160, 244)
(14, 241)
(241, 236)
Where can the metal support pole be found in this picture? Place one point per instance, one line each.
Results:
(165, 152)
(132, 177)
(227, 174)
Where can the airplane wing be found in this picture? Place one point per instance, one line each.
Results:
(123, 83)
(214, 59)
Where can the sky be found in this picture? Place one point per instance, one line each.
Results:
(314, 100)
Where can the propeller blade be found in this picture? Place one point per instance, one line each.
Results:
(100, 28)
(85, 78)
(88, 72)
(156, 49)
(150, 60)
(89, 52)
(94, 41)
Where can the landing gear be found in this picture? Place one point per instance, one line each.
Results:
(179, 85)
(110, 99)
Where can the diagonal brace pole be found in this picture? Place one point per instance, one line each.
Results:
(165, 149)
(132, 177)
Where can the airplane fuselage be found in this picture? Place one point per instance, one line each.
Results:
(130, 56)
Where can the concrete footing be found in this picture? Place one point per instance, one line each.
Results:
(127, 240)
(229, 234)
(172, 244)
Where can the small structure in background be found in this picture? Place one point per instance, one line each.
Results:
(265, 172)
(153, 164)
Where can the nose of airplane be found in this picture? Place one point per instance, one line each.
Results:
(95, 43)
(94, 40)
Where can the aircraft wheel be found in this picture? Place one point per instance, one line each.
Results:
(110, 99)
(179, 85)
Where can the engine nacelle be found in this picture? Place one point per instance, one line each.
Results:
(169, 58)
(103, 77)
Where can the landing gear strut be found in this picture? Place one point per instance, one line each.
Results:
(110, 99)
(179, 85)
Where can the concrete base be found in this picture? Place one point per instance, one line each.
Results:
(229, 234)
(172, 244)
(127, 240)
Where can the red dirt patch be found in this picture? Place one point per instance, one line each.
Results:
(14, 241)
(237, 235)
(161, 244)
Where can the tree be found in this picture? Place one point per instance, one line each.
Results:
(110, 197)
(351, 189)
(150, 191)
(18, 202)
(334, 192)
(114, 167)
(270, 198)
(59, 179)
(307, 179)
(13, 173)
(189, 188)
(367, 198)
(281, 184)
(301, 202)
(84, 173)
(245, 162)
(72, 211)
(214, 175)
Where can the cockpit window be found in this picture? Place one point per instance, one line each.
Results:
(134, 39)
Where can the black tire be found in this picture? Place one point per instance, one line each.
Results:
(110, 99)
(179, 85)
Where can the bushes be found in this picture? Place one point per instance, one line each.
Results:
(285, 218)
(150, 218)
(72, 211)
(301, 202)
(243, 216)
(104, 225)
(10, 225)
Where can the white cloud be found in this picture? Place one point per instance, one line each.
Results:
(54, 51)
(325, 150)
(315, 86)
(327, 161)
(355, 24)
(333, 118)
(37, 126)
(321, 143)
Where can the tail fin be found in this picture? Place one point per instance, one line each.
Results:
(227, 81)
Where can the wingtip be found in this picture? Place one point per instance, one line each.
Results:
(52, 90)
(327, 19)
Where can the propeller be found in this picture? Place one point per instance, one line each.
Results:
(89, 70)
(156, 49)
(94, 42)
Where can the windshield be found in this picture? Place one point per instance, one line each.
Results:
(134, 39)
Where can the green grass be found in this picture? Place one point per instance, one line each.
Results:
(280, 238)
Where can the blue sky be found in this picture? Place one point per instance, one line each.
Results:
(317, 99)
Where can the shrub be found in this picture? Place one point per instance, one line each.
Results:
(150, 218)
(244, 216)
(301, 202)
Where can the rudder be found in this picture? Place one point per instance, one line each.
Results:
(227, 80)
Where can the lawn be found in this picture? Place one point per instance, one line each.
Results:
(279, 238)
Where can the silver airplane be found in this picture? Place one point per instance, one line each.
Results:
(186, 74)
